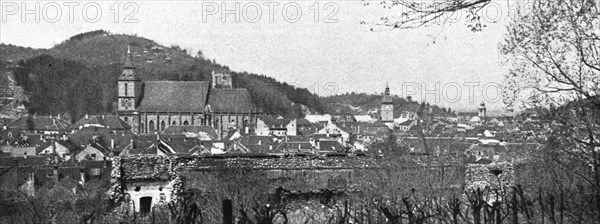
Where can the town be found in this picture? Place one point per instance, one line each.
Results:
(159, 112)
(215, 120)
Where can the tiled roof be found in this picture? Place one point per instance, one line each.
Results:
(330, 146)
(182, 129)
(40, 123)
(274, 122)
(110, 121)
(173, 96)
(82, 136)
(231, 100)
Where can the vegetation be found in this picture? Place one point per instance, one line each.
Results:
(56, 77)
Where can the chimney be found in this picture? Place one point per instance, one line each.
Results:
(55, 172)
(4, 127)
(87, 116)
(246, 130)
(82, 176)
(58, 116)
(112, 143)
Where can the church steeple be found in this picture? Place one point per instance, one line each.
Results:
(387, 90)
(128, 60)
(128, 68)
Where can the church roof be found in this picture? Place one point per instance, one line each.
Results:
(231, 100)
(128, 73)
(128, 59)
(174, 96)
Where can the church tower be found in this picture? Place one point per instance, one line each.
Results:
(482, 111)
(128, 86)
(128, 92)
(387, 108)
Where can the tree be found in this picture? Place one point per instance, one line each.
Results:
(420, 13)
(553, 53)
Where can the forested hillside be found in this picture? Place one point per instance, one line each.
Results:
(79, 76)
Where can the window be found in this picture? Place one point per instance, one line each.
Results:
(151, 126)
(174, 123)
(125, 118)
(95, 171)
(93, 155)
(126, 91)
(186, 123)
(138, 188)
(162, 125)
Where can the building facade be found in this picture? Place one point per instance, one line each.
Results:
(387, 108)
(152, 106)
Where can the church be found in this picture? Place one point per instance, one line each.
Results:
(151, 106)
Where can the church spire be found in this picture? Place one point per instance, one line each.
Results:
(128, 59)
(387, 89)
(128, 68)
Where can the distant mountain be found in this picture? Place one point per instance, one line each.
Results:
(79, 76)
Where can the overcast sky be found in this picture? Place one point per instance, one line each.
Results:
(329, 53)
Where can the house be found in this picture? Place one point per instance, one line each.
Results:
(336, 132)
(63, 148)
(306, 128)
(202, 132)
(233, 135)
(364, 118)
(367, 132)
(319, 119)
(342, 118)
(42, 124)
(486, 151)
(266, 126)
(95, 150)
(22, 149)
(174, 145)
(112, 122)
(330, 146)
(406, 125)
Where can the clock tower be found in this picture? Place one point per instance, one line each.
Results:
(128, 91)
(387, 108)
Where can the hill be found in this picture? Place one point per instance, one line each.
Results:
(79, 75)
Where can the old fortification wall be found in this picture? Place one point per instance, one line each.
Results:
(293, 173)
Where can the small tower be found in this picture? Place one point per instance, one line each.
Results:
(387, 108)
(128, 86)
(482, 111)
(221, 80)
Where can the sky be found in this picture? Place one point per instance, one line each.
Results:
(319, 45)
